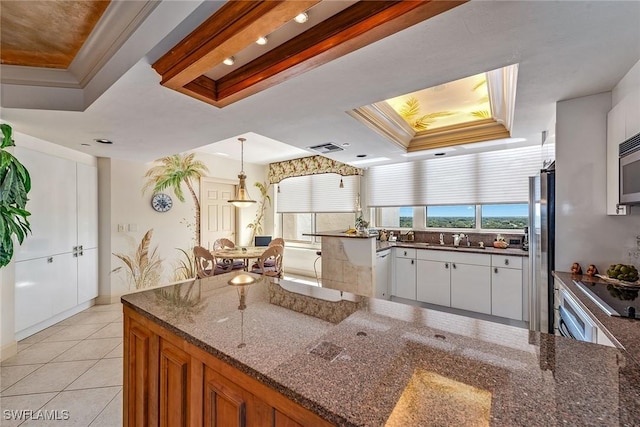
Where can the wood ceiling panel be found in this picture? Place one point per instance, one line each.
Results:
(46, 33)
(184, 67)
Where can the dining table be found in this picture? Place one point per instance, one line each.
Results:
(244, 253)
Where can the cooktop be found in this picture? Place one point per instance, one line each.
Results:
(612, 299)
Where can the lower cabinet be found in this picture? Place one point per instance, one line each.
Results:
(434, 282)
(170, 382)
(471, 287)
(405, 276)
(506, 287)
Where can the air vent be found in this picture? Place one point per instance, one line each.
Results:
(329, 147)
(630, 145)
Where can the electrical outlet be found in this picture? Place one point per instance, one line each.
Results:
(514, 241)
(120, 228)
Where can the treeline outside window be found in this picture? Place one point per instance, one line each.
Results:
(506, 216)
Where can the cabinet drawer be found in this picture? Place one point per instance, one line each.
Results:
(453, 256)
(506, 261)
(405, 252)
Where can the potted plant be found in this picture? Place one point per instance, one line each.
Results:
(15, 184)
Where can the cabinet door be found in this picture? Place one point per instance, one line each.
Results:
(65, 294)
(227, 404)
(632, 114)
(52, 203)
(471, 287)
(87, 199)
(87, 275)
(405, 277)
(140, 398)
(35, 285)
(175, 381)
(615, 135)
(506, 293)
(433, 281)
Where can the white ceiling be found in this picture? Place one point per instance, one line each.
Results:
(565, 50)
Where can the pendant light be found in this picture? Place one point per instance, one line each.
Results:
(242, 199)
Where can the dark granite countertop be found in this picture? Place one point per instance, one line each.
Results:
(625, 331)
(337, 233)
(365, 362)
(380, 246)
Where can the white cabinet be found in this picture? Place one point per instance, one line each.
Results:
(615, 135)
(632, 114)
(471, 287)
(405, 273)
(433, 280)
(506, 287)
(57, 265)
(383, 274)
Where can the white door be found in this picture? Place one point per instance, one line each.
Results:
(217, 216)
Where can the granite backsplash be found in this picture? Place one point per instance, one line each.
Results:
(433, 237)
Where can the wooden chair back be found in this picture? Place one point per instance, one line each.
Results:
(205, 262)
(274, 254)
(278, 241)
(223, 243)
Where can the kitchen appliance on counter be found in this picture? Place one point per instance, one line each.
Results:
(630, 171)
(542, 229)
(619, 301)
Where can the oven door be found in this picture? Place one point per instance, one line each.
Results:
(574, 322)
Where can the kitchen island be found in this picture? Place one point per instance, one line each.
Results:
(281, 353)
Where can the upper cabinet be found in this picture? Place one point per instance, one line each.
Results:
(632, 114)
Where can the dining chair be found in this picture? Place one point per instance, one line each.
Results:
(274, 254)
(236, 264)
(277, 241)
(206, 265)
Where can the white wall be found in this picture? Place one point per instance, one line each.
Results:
(584, 233)
(630, 81)
(131, 209)
(7, 273)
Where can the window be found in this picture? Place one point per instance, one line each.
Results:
(453, 216)
(295, 225)
(402, 217)
(511, 216)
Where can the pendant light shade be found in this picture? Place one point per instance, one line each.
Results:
(242, 199)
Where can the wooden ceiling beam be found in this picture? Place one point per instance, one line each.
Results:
(361, 24)
(231, 29)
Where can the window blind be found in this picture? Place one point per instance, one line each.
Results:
(478, 178)
(318, 193)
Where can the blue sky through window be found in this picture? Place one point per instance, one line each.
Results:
(520, 210)
(452, 211)
(406, 212)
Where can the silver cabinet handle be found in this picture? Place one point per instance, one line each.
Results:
(412, 262)
(405, 253)
(506, 261)
(454, 265)
(49, 260)
(446, 265)
(495, 270)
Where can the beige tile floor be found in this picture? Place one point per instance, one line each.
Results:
(73, 366)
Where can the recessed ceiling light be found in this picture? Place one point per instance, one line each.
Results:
(229, 61)
(301, 18)
(361, 155)
(262, 41)
(103, 141)
(346, 144)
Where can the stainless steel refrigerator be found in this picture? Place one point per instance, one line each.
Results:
(542, 230)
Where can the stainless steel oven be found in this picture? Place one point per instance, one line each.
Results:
(573, 322)
(630, 171)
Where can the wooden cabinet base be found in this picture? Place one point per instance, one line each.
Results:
(170, 382)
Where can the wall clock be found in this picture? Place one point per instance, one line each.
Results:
(161, 202)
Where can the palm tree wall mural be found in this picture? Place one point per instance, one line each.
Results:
(256, 225)
(172, 172)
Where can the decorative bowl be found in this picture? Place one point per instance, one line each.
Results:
(500, 245)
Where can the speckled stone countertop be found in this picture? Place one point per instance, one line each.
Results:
(382, 363)
(625, 331)
(364, 235)
(380, 246)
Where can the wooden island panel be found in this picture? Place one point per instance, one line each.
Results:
(170, 382)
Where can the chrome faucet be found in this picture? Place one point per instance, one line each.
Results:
(458, 237)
